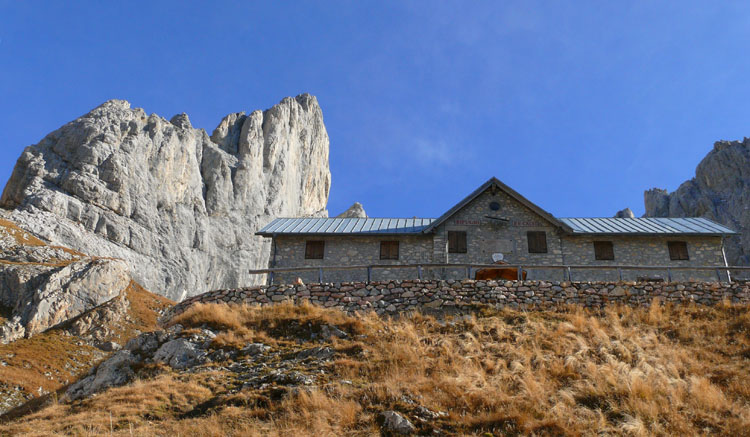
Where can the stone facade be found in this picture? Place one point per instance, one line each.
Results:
(496, 221)
(642, 250)
(348, 251)
(391, 297)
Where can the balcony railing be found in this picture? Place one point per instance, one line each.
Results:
(567, 270)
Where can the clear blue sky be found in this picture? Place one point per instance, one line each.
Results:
(580, 106)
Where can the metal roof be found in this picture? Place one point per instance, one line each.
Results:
(646, 226)
(337, 226)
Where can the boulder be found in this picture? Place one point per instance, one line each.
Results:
(394, 423)
(115, 371)
(180, 354)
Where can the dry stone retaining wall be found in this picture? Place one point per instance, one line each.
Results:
(389, 297)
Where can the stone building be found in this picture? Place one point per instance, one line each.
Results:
(495, 222)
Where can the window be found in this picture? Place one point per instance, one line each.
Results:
(677, 250)
(537, 241)
(314, 249)
(389, 250)
(456, 241)
(604, 250)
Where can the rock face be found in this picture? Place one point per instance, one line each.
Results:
(42, 286)
(179, 207)
(42, 296)
(719, 191)
(625, 213)
(354, 211)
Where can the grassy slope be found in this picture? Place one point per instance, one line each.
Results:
(663, 371)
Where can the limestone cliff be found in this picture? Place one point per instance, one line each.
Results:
(719, 191)
(180, 207)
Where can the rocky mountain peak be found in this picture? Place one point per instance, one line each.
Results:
(625, 213)
(180, 207)
(354, 211)
(720, 191)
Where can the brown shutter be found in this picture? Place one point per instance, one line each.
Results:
(389, 250)
(537, 241)
(678, 250)
(314, 249)
(604, 250)
(462, 242)
(456, 241)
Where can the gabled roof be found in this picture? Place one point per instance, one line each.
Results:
(509, 191)
(646, 226)
(350, 226)
(417, 226)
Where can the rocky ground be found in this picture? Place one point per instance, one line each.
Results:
(305, 370)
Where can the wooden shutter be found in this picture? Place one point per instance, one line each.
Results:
(389, 250)
(678, 250)
(604, 250)
(456, 241)
(314, 249)
(537, 241)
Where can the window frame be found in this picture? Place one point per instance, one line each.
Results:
(311, 253)
(388, 245)
(536, 234)
(609, 251)
(672, 248)
(458, 248)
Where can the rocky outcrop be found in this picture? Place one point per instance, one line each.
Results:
(354, 211)
(625, 213)
(720, 191)
(43, 286)
(256, 364)
(180, 207)
(43, 296)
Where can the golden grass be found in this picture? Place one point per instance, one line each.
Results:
(622, 371)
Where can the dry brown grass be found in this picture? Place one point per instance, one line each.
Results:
(658, 371)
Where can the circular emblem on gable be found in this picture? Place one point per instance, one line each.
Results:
(494, 206)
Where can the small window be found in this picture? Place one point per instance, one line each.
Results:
(389, 250)
(604, 250)
(678, 250)
(537, 241)
(456, 241)
(314, 249)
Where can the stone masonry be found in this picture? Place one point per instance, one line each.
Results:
(395, 296)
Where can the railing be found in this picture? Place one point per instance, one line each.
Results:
(566, 269)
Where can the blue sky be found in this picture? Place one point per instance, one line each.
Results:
(580, 106)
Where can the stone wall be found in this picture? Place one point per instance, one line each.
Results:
(390, 297)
